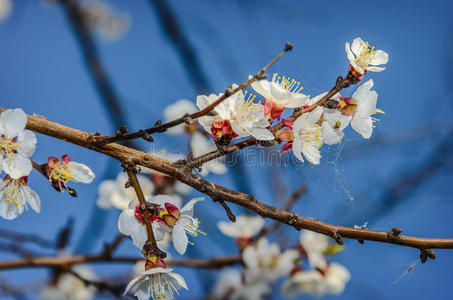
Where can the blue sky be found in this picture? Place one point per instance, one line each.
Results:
(43, 72)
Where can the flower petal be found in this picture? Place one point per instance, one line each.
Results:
(17, 165)
(82, 173)
(188, 208)
(380, 58)
(262, 134)
(179, 238)
(13, 122)
(32, 198)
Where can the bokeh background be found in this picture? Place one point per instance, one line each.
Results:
(179, 49)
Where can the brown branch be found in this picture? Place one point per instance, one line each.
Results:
(141, 198)
(159, 127)
(124, 154)
(58, 262)
(288, 205)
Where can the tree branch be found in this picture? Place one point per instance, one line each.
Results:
(58, 262)
(124, 154)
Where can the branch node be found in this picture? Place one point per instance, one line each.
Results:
(187, 119)
(337, 237)
(425, 254)
(122, 131)
(289, 46)
(228, 91)
(145, 135)
(394, 235)
(228, 211)
(261, 76)
(158, 123)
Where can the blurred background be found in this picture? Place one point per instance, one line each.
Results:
(159, 51)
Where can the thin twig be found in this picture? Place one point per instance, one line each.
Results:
(23, 238)
(159, 127)
(56, 262)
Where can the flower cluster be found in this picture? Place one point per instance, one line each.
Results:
(304, 266)
(17, 145)
(168, 219)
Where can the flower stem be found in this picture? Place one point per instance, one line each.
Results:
(141, 198)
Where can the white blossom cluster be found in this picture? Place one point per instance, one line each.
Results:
(17, 145)
(304, 268)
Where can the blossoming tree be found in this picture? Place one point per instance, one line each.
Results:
(151, 192)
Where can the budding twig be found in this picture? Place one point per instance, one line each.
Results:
(160, 127)
(141, 198)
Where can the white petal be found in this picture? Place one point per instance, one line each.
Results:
(296, 101)
(188, 208)
(312, 154)
(32, 198)
(380, 58)
(179, 280)
(162, 199)
(363, 126)
(17, 165)
(13, 122)
(262, 134)
(363, 90)
(27, 143)
(357, 46)
(297, 148)
(262, 87)
(279, 94)
(331, 136)
(349, 54)
(81, 172)
(316, 99)
(179, 238)
(375, 69)
(314, 116)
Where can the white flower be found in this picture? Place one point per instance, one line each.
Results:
(362, 120)
(265, 261)
(109, 24)
(60, 172)
(330, 281)
(308, 136)
(334, 122)
(243, 115)
(156, 283)
(283, 90)
(16, 143)
(230, 285)
(131, 223)
(245, 227)
(69, 287)
(199, 146)
(14, 196)
(112, 193)
(177, 110)
(314, 245)
(5, 8)
(363, 55)
(181, 220)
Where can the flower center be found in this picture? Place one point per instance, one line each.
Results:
(60, 172)
(245, 111)
(11, 189)
(347, 106)
(365, 56)
(311, 136)
(161, 287)
(287, 83)
(8, 146)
